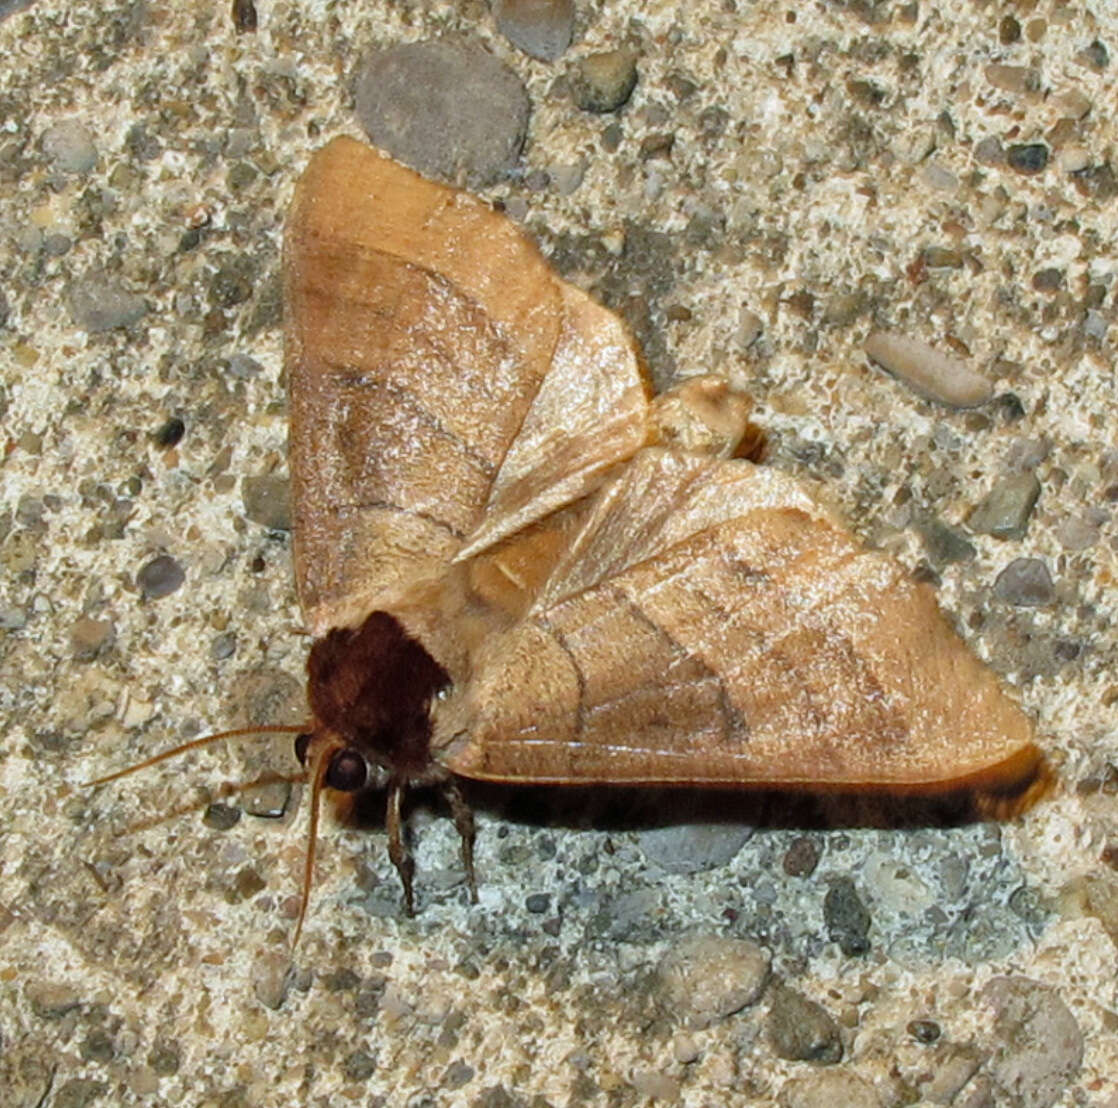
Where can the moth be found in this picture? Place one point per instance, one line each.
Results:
(518, 568)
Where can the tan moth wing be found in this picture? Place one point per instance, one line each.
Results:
(712, 624)
(446, 389)
(506, 578)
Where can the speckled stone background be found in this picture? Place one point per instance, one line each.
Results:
(783, 180)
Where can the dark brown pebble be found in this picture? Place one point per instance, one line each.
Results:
(801, 1030)
(801, 858)
(244, 16)
(1009, 30)
(160, 577)
(170, 434)
(923, 1031)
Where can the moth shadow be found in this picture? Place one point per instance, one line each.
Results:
(637, 808)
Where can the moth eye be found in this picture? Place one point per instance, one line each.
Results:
(302, 743)
(347, 771)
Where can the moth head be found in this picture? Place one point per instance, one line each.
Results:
(348, 770)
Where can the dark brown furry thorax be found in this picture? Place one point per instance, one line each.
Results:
(373, 686)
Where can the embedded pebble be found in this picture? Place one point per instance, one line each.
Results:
(848, 921)
(1073, 159)
(1082, 530)
(1027, 158)
(1019, 79)
(923, 1031)
(938, 176)
(603, 82)
(1025, 583)
(826, 1089)
(271, 979)
(685, 1049)
(1095, 325)
(445, 107)
(170, 433)
(567, 178)
(98, 302)
(952, 1066)
(55, 245)
(267, 501)
(78, 1092)
(221, 817)
(69, 147)
(801, 858)
(938, 376)
(693, 847)
(945, 546)
(88, 636)
(49, 1000)
(1005, 510)
(1040, 1044)
(1025, 454)
(224, 646)
(801, 1030)
(268, 801)
(707, 978)
(989, 151)
(541, 28)
(160, 577)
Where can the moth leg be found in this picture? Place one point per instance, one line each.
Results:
(397, 848)
(464, 824)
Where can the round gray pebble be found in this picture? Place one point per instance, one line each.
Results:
(541, 28)
(69, 147)
(444, 107)
(1025, 583)
(98, 302)
(160, 577)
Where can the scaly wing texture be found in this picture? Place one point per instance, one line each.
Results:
(420, 327)
(713, 625)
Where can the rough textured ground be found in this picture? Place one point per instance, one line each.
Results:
(783, 180)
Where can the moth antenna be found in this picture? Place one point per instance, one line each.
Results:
(320, 764)
(194, 744)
